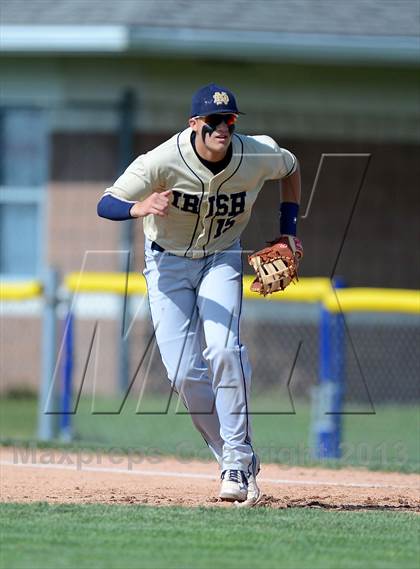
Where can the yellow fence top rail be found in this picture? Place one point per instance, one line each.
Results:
(116, 283)
(373, 300)
(20, 290)
(306, 290)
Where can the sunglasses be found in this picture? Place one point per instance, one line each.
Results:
(216, 119)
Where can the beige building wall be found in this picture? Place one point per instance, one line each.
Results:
(310, 101)
(309, 109)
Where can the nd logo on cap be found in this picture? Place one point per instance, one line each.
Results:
(212, 99)
(221, 98)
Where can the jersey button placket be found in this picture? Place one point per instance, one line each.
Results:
(207, 215)
(204, 211)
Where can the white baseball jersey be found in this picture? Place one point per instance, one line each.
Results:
(207, 212)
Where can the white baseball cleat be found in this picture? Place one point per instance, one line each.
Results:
(254, 494)
(234, 486)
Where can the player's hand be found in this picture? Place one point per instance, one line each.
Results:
(156, 204)
(295, 245)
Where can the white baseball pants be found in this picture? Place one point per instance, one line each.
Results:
(196, 306)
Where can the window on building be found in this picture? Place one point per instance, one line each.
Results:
(23, 177)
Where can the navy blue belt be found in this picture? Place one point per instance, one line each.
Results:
(157, 247)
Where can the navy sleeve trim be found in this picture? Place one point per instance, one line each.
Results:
(289, 212)
(111, 207)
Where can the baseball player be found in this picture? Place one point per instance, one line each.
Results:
(195, 193)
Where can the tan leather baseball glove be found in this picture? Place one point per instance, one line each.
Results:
(277, 265)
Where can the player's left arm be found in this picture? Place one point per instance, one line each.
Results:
(276, 266)
(291, 187)
(290, 194)
(281, 164)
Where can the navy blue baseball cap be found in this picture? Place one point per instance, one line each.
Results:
(212, 99)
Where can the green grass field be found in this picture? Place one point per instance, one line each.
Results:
(43, 536)
(388, 440)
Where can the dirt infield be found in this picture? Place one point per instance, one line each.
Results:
(58, 476)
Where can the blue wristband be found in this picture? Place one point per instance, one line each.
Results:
(288, 218)
(111, 207)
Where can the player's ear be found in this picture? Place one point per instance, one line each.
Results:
(193, 124)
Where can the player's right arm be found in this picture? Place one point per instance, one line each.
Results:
(156, 204)
(136, 193)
